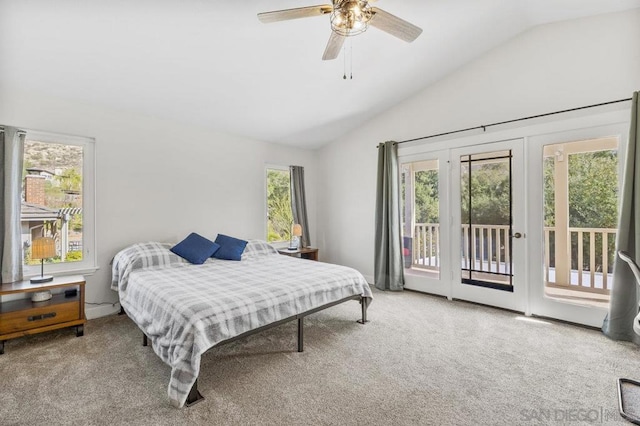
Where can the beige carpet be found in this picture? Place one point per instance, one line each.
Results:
(421, 360)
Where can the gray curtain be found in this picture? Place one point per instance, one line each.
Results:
(389, 268)
(299, 203)
(623, 306)
(11, 146)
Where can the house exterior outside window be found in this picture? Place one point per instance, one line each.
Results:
(58, 201)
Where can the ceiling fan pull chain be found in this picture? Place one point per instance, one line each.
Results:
(344, 63)
(351, 59)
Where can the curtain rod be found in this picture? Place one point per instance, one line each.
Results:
(484, 127)
(2, 130)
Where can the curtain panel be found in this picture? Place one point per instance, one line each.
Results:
(299, 203)
(12, 145)
(389, 267)
(623, 305)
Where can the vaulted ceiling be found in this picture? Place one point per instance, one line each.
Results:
(213, 64)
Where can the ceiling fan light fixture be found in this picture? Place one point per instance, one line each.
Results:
(350, 17)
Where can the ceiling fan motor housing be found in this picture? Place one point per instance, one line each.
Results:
(350, 17)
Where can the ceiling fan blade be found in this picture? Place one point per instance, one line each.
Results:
(299, 12)
(333, 47)
(393, 25)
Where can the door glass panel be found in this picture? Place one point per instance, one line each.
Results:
(421, 217)
(580, 219)
(486, 218)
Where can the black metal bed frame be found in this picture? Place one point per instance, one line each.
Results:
(195, 396)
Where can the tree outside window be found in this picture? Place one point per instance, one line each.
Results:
(52, 185)
(279, 215)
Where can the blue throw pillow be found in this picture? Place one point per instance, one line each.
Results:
(230, 248)
(195, 248)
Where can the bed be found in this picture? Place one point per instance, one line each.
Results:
(186, 309)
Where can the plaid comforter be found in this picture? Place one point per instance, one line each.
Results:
(186, 309)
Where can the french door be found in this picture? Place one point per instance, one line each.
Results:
(426, 234)
(488, 224)
(522, 224)
(574, 180)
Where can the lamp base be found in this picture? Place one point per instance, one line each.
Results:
(41, 279)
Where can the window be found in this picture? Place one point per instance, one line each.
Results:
(420, 216)
(279, 215)
(580, 216)
(58, 200)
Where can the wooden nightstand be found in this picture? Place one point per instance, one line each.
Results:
(304, 253)
(23, 317)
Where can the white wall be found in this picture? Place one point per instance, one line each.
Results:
(549, 68)
(158, 181)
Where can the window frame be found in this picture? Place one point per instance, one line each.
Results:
(88, 265)
(267, 167)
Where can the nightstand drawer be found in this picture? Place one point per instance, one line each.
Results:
(38, 316)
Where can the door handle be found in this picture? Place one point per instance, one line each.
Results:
(517, 235)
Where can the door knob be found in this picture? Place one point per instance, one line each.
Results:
(517, 235)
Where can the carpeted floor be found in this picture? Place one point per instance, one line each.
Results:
(422, 360)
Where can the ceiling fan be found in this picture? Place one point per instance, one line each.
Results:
(348, 18)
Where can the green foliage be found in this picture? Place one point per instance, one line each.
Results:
(593, 178)
(593, 198)
(549, 191)
(70, 180)
(74, 256)
(64, 190)
(426, 193)
(280, 217)
(75, 224)
(490, 193)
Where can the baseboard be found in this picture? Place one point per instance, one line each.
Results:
(101, 310)
(369, 279)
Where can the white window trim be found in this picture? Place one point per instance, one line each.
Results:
(88, 265)
(265, 232)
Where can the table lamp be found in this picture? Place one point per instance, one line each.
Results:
(42, 248)
(296, 233)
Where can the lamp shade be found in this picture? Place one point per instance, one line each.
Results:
(297, 230)
(43, 248)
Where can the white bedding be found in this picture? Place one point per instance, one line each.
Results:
(186, 309)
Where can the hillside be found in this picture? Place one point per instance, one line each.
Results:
(51, 156)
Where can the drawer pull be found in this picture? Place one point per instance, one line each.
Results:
(41, 317)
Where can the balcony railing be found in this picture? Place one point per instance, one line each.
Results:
(589, 266)
(426, 246)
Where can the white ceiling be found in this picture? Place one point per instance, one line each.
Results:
(212, 63)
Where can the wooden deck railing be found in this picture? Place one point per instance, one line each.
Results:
(426, 246)
(590, 264)
(489, 246)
